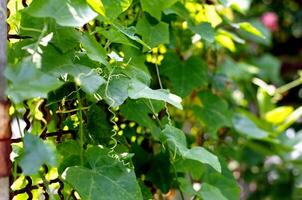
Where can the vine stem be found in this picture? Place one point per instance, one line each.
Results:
(161, 87)
(81, 128)
(72, 110)
(289, 86)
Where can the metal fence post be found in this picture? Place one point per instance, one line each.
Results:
(5, 131)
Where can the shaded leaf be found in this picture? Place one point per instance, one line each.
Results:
(184, 76)
(141, 113)
(214, 112)
(36, 153)
(245, 126)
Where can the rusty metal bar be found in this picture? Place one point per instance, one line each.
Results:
(5, 130)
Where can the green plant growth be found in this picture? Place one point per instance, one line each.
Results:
(163, 97)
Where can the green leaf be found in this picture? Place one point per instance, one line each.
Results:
(141, 113)
(214, 112)
(209, 192)
(186, 186)
(113, 8)
(85, 77)
(269, 68)
(136, 65)
(103, 178)
(138, 90)
(117, 91)
(69, 152)
(179, 9)
(65, 39)
(115, 36)
(176, 141)
(205, 30)
(130, 33)
(155, 7)
(153, 35)
(98, 126)
(228, 186)
(238, 71)
(161, 173)
(184, 76)
(36, 153)
(26, 81)
(245, 126)
(94, 50)
(73, 13)
(203, 156)
(52, 58)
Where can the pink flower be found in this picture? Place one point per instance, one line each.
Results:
(270, 21)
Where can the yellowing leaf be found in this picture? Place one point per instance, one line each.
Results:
(97, 6)
(226, 42)
(278, 115)
(208, 14)
(248, 27)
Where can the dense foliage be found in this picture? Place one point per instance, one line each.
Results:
(163, 99)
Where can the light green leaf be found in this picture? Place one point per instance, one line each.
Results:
(73, 13)
(85, 77)
(155, 7)
(153, 35)
(247, 127)
(110, 9)
(248, 27)
(113, 8)
(185, 76)
(103, 178)
(209, 192)
(176, 140)
(26, 81)
(203, 156)
(36, 153)
(138, 90)
(94, 50)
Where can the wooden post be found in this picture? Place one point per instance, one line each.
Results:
(5, 131)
